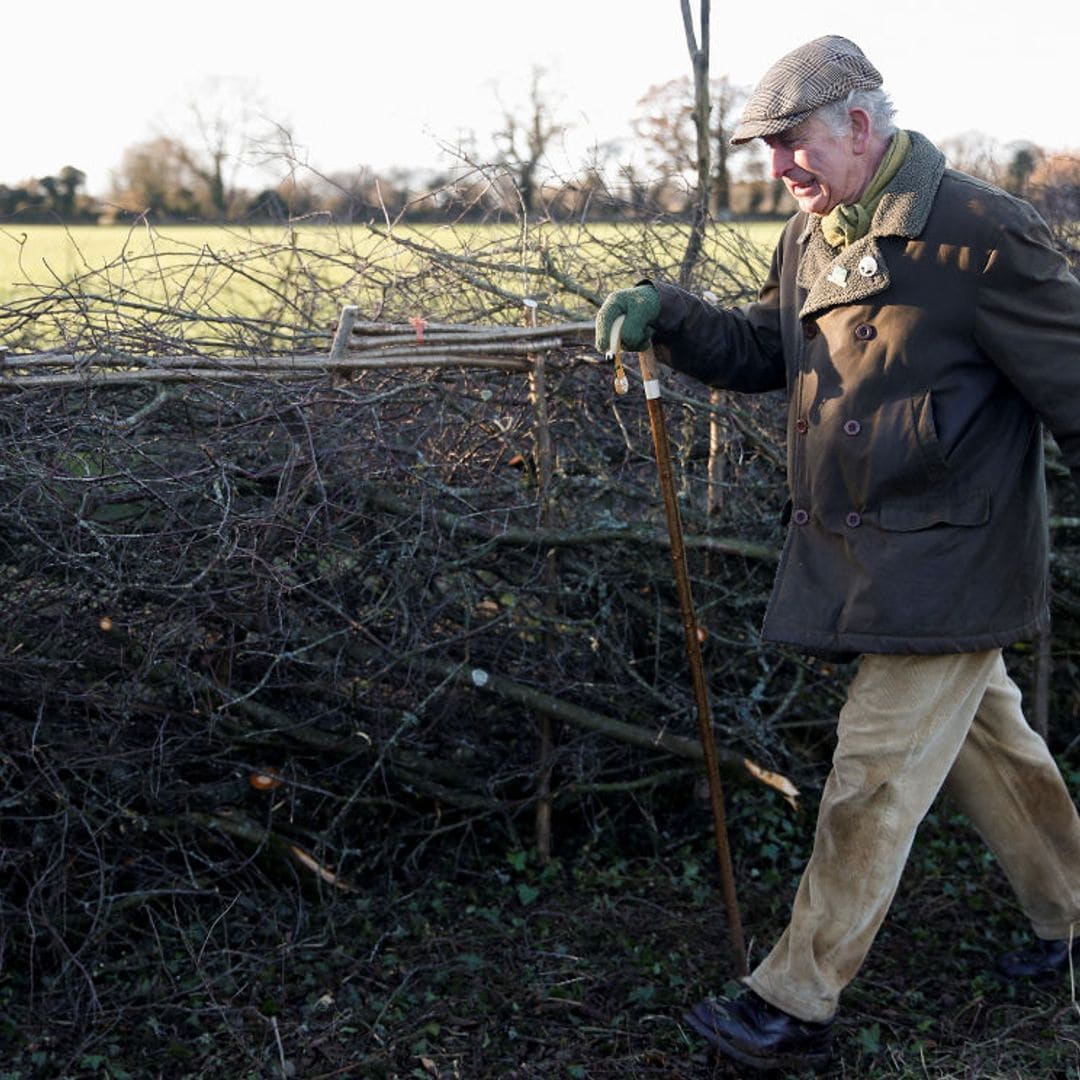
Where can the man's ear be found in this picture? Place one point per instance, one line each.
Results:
(860, 130)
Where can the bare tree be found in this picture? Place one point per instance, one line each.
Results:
(229, 132)
(197, 169)
(154, 176)
(727, 101)
(699, 58)
(667, 130)
(523, 141)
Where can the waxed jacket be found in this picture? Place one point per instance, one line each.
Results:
(920, 364)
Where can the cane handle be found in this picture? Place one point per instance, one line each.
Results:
(622, 384)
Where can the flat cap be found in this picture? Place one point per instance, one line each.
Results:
(815, 74)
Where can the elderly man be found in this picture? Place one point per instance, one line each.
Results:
(925, 329)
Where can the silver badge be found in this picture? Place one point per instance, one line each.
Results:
(868, 266)
(838, 275)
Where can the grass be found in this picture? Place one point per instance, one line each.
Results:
(234, 268)
(227, 291)
(37, 258)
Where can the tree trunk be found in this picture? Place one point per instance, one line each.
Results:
(699, 58)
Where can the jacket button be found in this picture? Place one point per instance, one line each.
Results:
(809, 330)
(852, 427)
(865, 332)
(800, 517)
(854, 520)
(802, 425)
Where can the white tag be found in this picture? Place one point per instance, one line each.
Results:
(838, 275)
(652, 388)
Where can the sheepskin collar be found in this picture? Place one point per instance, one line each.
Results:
(858, 271)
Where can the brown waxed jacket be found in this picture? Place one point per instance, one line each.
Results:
(920, 364)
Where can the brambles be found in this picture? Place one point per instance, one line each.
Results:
(300, 581)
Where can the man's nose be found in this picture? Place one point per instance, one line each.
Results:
(781, 161)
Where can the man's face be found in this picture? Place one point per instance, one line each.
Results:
(820, 169)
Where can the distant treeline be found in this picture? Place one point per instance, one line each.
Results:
(166, 181)
(366, 196)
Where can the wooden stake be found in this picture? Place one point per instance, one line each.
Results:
(544, 469)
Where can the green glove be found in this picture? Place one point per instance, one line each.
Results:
(640, 306)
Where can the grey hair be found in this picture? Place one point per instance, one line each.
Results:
(875, 103)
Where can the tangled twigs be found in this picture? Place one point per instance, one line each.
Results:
(260, 570)
(190, 575)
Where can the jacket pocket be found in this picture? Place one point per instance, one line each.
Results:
(890, 451)
(910, 515)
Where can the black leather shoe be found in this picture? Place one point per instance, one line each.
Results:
(752, 1032)
(1044, 960)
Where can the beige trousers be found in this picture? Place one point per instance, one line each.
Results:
(912, 725)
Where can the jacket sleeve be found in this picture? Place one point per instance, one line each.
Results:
(733, 348)
(1027, 321)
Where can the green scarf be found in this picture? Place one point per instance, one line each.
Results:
(844, 225)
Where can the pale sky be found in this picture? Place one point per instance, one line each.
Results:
(383, 84)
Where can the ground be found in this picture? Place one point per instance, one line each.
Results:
(471, 960)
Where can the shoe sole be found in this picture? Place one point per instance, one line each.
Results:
(755, 1061)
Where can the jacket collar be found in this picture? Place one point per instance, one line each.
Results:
(859, 270)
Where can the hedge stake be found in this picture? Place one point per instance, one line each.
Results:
(651, 383)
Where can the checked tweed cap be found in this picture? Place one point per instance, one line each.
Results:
(817, 73)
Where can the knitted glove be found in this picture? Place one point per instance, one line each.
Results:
(640, 305)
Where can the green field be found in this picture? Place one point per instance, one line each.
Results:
(42, 254)
(39, 257)
(191, 284)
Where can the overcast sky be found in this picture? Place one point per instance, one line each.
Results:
(384, 84)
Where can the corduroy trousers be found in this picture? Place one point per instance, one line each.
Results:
(912, 726)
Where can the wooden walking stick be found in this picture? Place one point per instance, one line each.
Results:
(650, 379)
